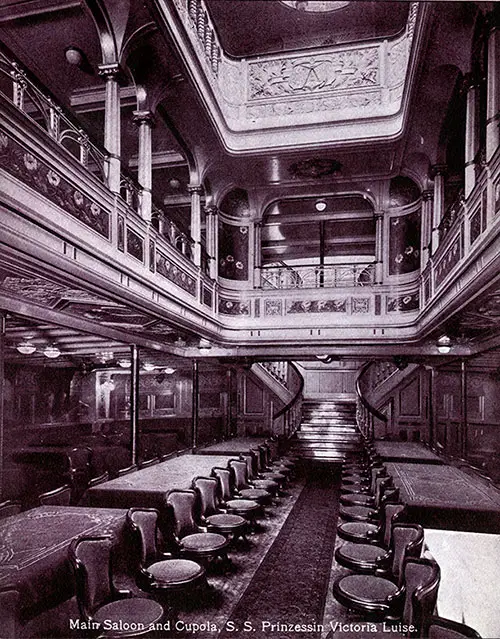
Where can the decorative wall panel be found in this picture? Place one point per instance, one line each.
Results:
(35, 173)
(233, 251)
(232, 307)
(167, 268)
(404, 243)
(317, 306)
(403, 303)
(448, 261)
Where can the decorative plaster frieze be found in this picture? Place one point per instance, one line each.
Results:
(314, 74)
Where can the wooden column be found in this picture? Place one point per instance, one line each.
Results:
(112, 116)
(134, 402)
(439, 172)
(463, 421)
(145, 122)
(212, 238)
(195, 191)
(471, 132)
(426, 230)
(195, 406)
(257, 254)
(379, 247)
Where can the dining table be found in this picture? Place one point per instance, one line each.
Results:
(147, 487)
(446, 497)
(34, 551)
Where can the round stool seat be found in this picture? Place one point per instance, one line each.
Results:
(359, 531)
(366, 588)
(244, 507)
(266, 484)
(255, 494)
(225, 520)
(176, 572)
(357, 513)
(361, 499)
(135, 615)
(278, 476)
(364, 552)
(201, 542)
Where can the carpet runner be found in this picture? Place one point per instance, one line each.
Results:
(289, 588)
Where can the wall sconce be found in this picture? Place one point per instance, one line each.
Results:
(204, 344)
(148, 367)
(124, 363)
(169, 370)
(444, 344)
(51, 351)
(77, 58)
(320, 206)
(26, 347)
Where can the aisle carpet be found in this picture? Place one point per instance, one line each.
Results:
(291, 584)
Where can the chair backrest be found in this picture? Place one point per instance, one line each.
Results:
(251, 459)
(264, 456)
(407, 541)
(149, 462)
(224, 477)
(421, 579)
(206, 487)
(392, 512)
(95, 481)
(90, 558)
(240, 473)
(381, 485)
(183, 504)
(376, 472)
(59, 497)
(143, 523)
(127, 470)
(439, 628)
(9, 508)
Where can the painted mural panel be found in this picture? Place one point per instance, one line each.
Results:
(404, 244)
(233, 251)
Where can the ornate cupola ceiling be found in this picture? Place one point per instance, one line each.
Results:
(264, 68)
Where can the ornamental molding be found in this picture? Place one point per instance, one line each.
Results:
(324, 94)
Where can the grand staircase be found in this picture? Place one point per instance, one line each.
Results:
(327, 432)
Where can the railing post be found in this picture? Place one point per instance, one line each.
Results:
(112, 117)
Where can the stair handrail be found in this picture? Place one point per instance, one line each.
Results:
(371, 409)
(295, 398)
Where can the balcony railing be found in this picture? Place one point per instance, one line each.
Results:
(326, 276)
(18, 86)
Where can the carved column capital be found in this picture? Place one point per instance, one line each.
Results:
(111, 71)
(427, 195)
(143, 117)
(195, 189)
(439, 169)
(211, 209)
